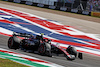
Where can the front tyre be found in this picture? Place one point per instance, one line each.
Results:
(71, 50)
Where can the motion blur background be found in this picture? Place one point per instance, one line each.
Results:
(83, 5)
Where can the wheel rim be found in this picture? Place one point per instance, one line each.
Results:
(41, 49)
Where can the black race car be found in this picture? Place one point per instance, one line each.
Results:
(41, 45)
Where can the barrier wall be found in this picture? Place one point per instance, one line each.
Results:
(54, 4)
(96, 14)
(45, 2)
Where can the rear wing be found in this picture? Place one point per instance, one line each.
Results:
(22, 34)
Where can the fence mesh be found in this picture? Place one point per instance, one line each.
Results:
(87, 5)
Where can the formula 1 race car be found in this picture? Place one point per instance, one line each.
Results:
(40, 44)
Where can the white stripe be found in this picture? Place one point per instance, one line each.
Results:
(77, 32)
(46, 24)
(92, 36)
(6, 31)
(85, 42)
(73, 33)
(86, 49)
(82, 33)
(21, 55)
(33, 22)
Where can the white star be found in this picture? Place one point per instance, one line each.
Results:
(4, 16)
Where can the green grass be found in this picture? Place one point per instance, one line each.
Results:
(9, 63)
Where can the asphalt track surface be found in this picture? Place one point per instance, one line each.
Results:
(88, 60)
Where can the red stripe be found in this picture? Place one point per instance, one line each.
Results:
(41, 22)
(10, 22)
(75, 44)
(88, 53)
(5, 34)
(35, 60)
(51, 26)
(7, 21)
(83, 51)
(60, 46)
(4, 14)
(65, 42)
(9, 52)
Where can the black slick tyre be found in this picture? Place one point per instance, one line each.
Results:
(12, 44)
(71, 50)
(43, 50)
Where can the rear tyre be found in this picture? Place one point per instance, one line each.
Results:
(12, 44)
(43, 50)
